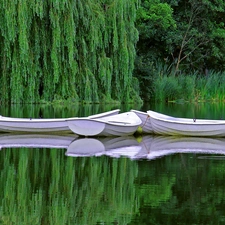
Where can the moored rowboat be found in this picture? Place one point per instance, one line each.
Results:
(10, 124)
(168, 125)
(123, 124)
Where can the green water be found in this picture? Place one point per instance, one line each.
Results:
(44, 186)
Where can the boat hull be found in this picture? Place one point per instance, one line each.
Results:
(165, 125)
(33, 125)
(118, 130)
(9, 124)
(145, 121)
(123, 124)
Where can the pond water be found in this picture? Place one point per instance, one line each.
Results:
(63, 179)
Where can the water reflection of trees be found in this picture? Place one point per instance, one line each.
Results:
(45, 187)
(191, 192)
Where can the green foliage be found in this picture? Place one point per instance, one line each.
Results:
(187, 86)
(211, 87)
(185, 36)
(156, 15)
(167, 89)
(192, 88)
(154, 22)
(67, 49)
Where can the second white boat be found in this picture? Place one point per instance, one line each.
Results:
(123, 124)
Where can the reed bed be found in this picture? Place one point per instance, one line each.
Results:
(190, 88)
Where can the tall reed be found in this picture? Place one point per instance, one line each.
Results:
(211, 87)
(191, 88)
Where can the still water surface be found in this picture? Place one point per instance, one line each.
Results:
(151, 180)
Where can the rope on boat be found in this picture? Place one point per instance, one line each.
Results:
(145, 121)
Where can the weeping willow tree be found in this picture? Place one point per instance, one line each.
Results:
(79, 50)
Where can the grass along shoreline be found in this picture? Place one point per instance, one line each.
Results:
(190, 88)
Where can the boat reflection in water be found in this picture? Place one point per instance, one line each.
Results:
(114, 147)
(160, 146)
(10, 140)
(147, 147)
(150, 147)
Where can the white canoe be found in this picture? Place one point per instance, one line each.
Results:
(167, 125)
(110, 146)
(123, 124)
(10, 124)
(10, 140)
(145, 121)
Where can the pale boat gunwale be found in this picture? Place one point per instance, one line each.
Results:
(101, 115)
(36, 120)
(185, 121)
(31, 120)
(105, 121)
(116, 123)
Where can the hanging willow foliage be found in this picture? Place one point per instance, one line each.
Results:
(80, 50)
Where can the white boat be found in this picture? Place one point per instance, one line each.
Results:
(123, 124)
(109, 146)
(10, 124)
(11, 140)
(146, 126)
(167, 125)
